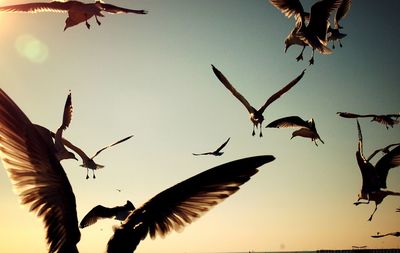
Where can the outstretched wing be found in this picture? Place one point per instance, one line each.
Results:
(67, 116)
(353, 115)
(117, 10)
(97, 212)
(109, 146)
(181, 204)
(288, 7)
(342, 12)
(388, 161)
(291, 121)
(55, 6)
(230, 87)
(281, 92)
(37, 176)
(222, 146)
(319, 19)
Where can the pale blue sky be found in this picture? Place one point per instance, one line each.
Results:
(151, 76)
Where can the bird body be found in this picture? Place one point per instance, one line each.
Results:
(217, 152)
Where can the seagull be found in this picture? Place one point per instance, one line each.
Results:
(334, 33)
(374, 177)
(88, 162)
(314, 33)
(378, 235)
(217, 152)
(256, 116)
(41, 183)
(386, 119)
(307, 128)
(78, 12)
(100, 212)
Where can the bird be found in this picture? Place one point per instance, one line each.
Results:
(217, 152)
(101, 212)
(334, 33)
(88, 162)
(61, 151)
(307, 128)
(378, 235)
(384, 119)
(256, 116)
(313, 33)
(374, 177)
(42, 184)
(78, 11)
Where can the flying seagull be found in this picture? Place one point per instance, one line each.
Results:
(256, 116)
(385, 119)
(42, 185)
(313, 33)
(334, 33)
(101, 212)
(307, 128)
(378, 235)
(217, 152)
(78, 12)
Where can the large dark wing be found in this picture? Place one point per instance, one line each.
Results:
(37, 176)
(97, 212)
(109, 146)
(181, 204)
(288, 7)
(230, 87)
(291, 121)
(223, 145)
(117, 10)
(388, 161)
(319, 18)
(342, 12)
(281, 92)
(54, 6)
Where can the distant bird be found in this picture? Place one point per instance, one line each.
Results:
(359, 247)
(334, 33)
(256, 116)
(100, 212)
(78, 12)
(61, 151)
(386, 119)
(378, 235)
(374, 177)
(313, 33)
(217, 152)
(307, 128)
(88, 162)
(42, 185)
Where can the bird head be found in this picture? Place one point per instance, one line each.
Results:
(287, 44)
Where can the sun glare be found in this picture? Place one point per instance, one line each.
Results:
(31, 48)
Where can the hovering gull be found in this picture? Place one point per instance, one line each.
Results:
(100, 212)
(307, 128)
(386, 119)
(256, 116)
(378, 235)
(88, 162)
(217, 152)
(334, 33)
(374, 177)
(42, 185)
(313, 34)
(78, 12)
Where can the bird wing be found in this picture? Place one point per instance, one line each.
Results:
(109, 146)
(117, 10)
(37, 176)
(222, 146)
(55, 6)
(67, 116)
(230, 87)
(291, 121)
(288, 7)
(385, 150)
(197, 154)
(319, 17)
(281, 92)
(342, 12)
(388, 161)
(97, 212)
(360, 141)
(186, 201)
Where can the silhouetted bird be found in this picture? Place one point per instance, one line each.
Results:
(100, 212)
(217, 152)
(378, 235)
(307, 128)
(313, 34)
(88, 162)
(256, 116)
(386, 120)
(334, 33)
(78, 12)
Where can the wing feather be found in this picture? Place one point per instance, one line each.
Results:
(109, 146)
(387, 162)
(117, 10)
(55, 6)
(342, 12)
(288, 7)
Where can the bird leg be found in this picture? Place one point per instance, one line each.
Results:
(333, 44)
(312, 58)
(97, 20)
(376, 207)
(340, 44)
(86, 21)
(300, 57)
(87, 173)
(94, 176)
(253, 133)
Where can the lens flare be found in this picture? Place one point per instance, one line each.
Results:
(31, 48)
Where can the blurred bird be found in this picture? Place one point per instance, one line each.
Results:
(256, 116)
(307, 128)
(386, 119)
(217, 152)
(378, 235)
(78, 12)
(334, 33)
(313, 33)
(88, 162)
(100, 212)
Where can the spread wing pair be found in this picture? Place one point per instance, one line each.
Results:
(217, 152)
(385, 119)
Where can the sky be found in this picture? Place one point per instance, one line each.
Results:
(150, 76)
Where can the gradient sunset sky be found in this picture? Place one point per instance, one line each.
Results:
(150, 76)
